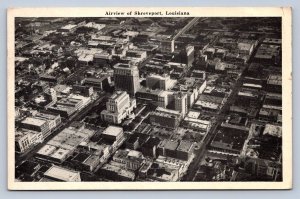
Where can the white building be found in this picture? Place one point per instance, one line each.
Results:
(118, 107)
(163, 82)
(25, 139)
(56, 173)
(181, 104)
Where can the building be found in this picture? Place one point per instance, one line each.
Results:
(131, 159)
(118, 107)
(168, 148)
(25, 139)
(209, 52)
(86, 161)
(63, 111)
(229, 140)
(36, 124)
(62, 146)
(187, 55)
(199, 74)
(126, 78)
(27, 170)
(181, 103)
(136, 54)
(268, 54)
(178, 149)
(167, 45)
(133, 142)
(102, 57)
(163, 172)
(274, 83)
(210, 102)
(165, 118)
(113, 136)
(86, 91)
(67, 106)
(162, 82)
(197, 124)
(150, 146)
(101, 83)
(273, 130)
(116, 173)
(184, 150)
(60, 174)
(245, 47)
(68, 28)
(157, 97)
(112, 133)
(75, 101)
(54, 120)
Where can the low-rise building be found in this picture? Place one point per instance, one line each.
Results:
(36, 124)
(62, 146)
(165, 118)
(60, 174)
(184, 150)
(113, 133)
(131, 159)
(25, 139)
(115, 173)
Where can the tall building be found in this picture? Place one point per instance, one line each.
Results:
(126, 78)
(118, 107)
(163, 82)
(181, 104)
(187, 55)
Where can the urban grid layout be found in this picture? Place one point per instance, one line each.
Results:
(148, 99)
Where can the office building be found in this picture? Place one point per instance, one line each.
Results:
(36, 124)
(187, 56)
(86, 91)
(184, 150)
(156, 97)
(118, 107)
(53, 119)
(181, 104)
(163, 82)
(168, 148)
(126, 78)
(165, 118)
(113, 133)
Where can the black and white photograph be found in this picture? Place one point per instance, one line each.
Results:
(168, 98)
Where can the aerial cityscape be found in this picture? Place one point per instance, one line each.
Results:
(148, 99)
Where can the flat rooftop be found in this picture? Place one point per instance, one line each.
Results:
(113, 131)
(185, 146)
(33, 121)
(61, 173)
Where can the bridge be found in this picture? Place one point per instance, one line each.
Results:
(186, 27)
(183, 30)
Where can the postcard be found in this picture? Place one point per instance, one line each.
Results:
(140, 98)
